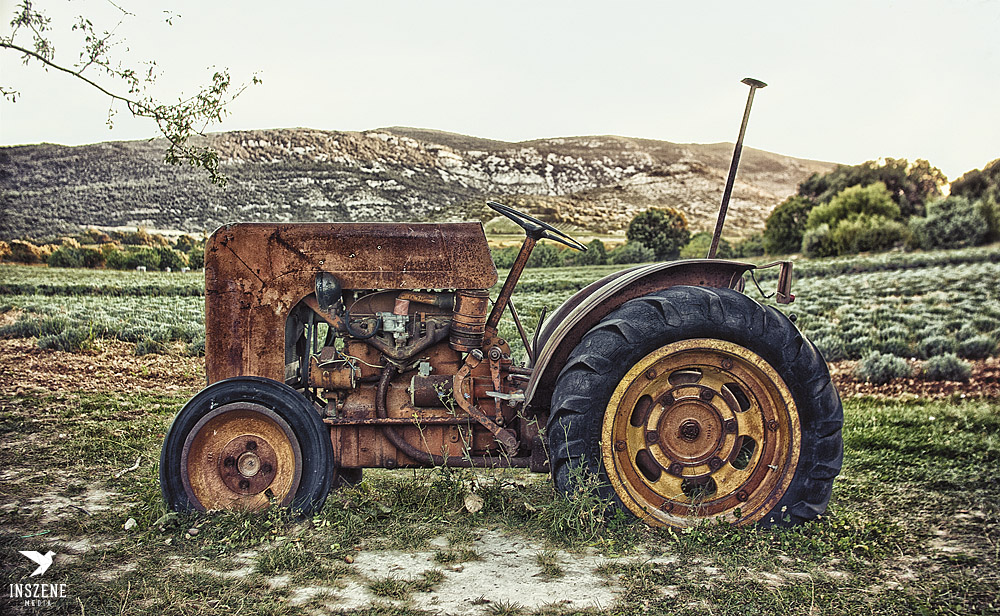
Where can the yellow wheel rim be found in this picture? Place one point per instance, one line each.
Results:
(701, 428)
(241, 456)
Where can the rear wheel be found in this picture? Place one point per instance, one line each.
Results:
(696, 403)
(245, 443)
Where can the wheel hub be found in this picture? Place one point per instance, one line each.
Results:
(241, 455)
(700, 428)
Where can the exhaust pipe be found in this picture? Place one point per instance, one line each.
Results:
(754, 84)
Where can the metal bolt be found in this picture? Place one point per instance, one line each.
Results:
(676, 469)
(652, 437)
(667, 506)
(229, 462)
(772, 425)
(730, 426)
(706, 394)
(727, 363)
(620, 445)
(651, 374)
(690, 430)
(668, 400)
(266, 469)
(244, 484)
(251, 445)
(715, 464)
(742, 496)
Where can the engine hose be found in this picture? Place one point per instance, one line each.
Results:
(353, 334)
(424, 457)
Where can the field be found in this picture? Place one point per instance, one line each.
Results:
(912, 527)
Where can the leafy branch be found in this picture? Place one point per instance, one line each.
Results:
(177, 122)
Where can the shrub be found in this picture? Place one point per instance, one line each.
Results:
(70, 339)
(4, 250)
(852, 202)
(503, 258)
(196, 260)
(67, 256)
(168, 257)
(32, 327)
(954, 222)
(895, 346)
(819, 242)
(832, 347)
(631, 252)
(545, 255)
(700, 242)
(868, 234)
(148, 346)
(936, 345)
(784, 227)
(664, 230)
(880, 368)
(947, 367)
(977, 347)
(25, 252)
(596, 254)
(752, 246)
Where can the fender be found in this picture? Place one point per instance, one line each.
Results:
(577, 315)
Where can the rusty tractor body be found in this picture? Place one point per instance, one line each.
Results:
(331, 348)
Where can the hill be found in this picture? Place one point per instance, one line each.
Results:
(592, 183)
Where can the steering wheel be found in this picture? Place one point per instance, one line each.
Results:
(534, 228)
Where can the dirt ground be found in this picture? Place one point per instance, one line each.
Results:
(113, 367)
(506, 574)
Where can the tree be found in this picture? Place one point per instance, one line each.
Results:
(124, 84)
(596, 254)
(954, 222)
(910, 186)
(784, 227)
(664, 230)
(977, 185)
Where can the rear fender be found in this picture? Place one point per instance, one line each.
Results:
(577, 315)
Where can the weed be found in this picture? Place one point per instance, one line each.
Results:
(506, 608)
(455, 555)
(548, 562)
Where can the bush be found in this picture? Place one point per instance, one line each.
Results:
(545, 255)
(67, 256)
(148, 346)
(131, 258)
(936, 345)
(880, 368)
(700, 242)
(71, 339)
(947, 367)
(174, 259)
(852, 202)
(25, 252)
(954, 222)
(785, 226)
(631, 252)
(819, 242)
(977, 347)
(832, 347)
(596, 254)
(752, 246)
(895, 346)
(196, 260)
(664, 230)
(868, 234)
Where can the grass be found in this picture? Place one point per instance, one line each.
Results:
(917, 499)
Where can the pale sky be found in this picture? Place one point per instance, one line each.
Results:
(849, 81)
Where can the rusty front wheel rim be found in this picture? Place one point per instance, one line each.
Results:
(241, 456)
(701, 428)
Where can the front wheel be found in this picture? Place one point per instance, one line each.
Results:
(245, 443)
(695, 403)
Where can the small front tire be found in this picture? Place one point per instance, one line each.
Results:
(246, 443)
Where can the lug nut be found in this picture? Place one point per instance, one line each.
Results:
(251, 445)
(676, 469)
(652, 437)
(244, 484)
(266, 469)
(620, 445)
(229, 462)
(715, 464)
(706, 394)
(730, 426)
(772, 425)
(651, 374)
(742, 496)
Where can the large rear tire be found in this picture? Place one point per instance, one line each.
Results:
(694, 403)
(246, 443)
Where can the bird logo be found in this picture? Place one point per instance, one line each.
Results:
(44, 561)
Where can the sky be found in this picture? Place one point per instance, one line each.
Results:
(849, 81)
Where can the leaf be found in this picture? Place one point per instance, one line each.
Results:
(473, 502)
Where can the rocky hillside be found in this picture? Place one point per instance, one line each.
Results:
(591, 183)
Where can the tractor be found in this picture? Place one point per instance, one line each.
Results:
(334, 347)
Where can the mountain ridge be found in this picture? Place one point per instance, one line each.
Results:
(595, 183)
